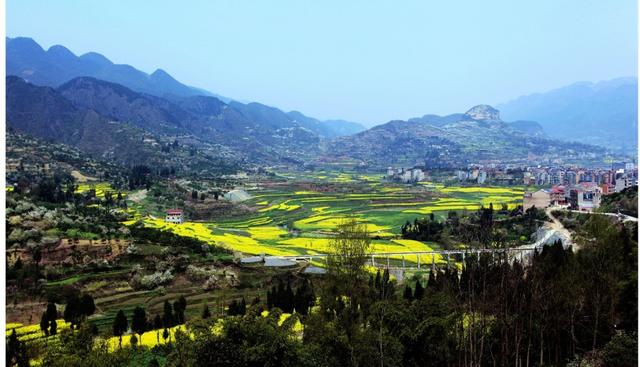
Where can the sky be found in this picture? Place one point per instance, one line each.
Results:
(368, 61)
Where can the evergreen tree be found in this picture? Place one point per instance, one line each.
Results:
(157, 325)
(288, 299)
(44, 324)
(167, 318)
(304, 298)
(408, 294)
(87, 305)
(120, 326)
(16, 353)
(72, 312)
(419, 291)
(179, 307)
(54, 327)
(139, 320)
(269, 299)
(51, 312)
(205, 312)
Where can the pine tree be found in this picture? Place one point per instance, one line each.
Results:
(419, 291)
(434, 281)
(408, 293)
(52, 311)
(87, 305)
(54, 328)
(120, 326)
(139, 320)
(44, 324)
(205, 312)
(269, 300)
(280, 300)
(72, 311)
(289, 299)
(157, 325)
(167, 317)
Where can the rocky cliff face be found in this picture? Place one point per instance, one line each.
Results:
(483, 112)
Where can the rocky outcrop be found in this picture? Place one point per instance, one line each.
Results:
(483, 112)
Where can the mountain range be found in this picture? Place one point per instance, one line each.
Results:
(119, 113)
(603, 113)
(58, 65)
(455, 140)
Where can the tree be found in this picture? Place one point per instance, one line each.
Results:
(167, 317)
(120, 326)
(16, 353)
(205, 312)
(243, 306)
(348, 254)
(408, 293)
(54, 328)
(194, 195)
(139, 320)
(44, 324)
(179, 307)
(51, 312)
(419, 291)
(134, 341)
(346, 290)
(304, 297)
(72, 312)
(87, 305)
(165, 335)
(621, 351)
(157, 325)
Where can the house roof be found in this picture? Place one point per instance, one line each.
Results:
(174, 211)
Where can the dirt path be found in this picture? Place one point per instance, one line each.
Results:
(556, 225)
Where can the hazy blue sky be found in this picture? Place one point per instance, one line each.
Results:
(368, 61)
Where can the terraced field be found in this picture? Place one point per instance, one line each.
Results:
(295, 220)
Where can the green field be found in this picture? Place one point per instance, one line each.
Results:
(301, 216)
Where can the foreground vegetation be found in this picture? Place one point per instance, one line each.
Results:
(562, 307)
(96, 277)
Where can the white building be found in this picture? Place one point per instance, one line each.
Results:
(482, 177)
(174, 216)
(417, 175)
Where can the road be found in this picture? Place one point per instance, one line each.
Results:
(625, 218)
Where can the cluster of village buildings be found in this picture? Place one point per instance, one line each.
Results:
(579, 189)
(408, 175)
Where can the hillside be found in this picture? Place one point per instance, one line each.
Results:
(603, 113)
(45, 113)
(458, 139)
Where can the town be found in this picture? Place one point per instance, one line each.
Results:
(577, 188)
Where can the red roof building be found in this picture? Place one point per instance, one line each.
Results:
(174, 216)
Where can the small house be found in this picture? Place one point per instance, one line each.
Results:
(174, 216)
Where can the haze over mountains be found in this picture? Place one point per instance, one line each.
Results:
(455, 140)
(603, 113)
(58, 65)
(118, 112)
